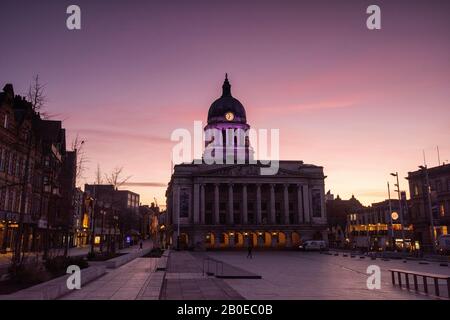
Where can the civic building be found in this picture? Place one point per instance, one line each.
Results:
(234, 205)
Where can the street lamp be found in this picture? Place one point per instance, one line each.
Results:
(400, 208)
(430, 211)
(390, 215)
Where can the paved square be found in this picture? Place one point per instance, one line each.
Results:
(308, 275)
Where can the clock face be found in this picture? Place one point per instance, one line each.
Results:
(229, 116)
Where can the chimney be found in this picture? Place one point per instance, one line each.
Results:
(9, 90)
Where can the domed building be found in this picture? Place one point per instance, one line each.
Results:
(230, 203)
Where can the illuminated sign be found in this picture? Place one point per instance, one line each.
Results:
(394, 215)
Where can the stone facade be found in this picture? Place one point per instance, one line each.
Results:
(439, 188)
(234, 205)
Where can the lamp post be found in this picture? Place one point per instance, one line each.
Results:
(430, 211)
(400, 208)
(390, 215)
(102, 238)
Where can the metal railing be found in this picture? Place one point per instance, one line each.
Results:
(424, 276)
(217, 266)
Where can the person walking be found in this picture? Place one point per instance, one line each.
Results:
(140, 245)
(249, 252)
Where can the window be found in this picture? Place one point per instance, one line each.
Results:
(12, 158)
(2, 159)
(316, 203)
(441, 210)
(438, 185)
(18, 167)
(5, 121)
(184, 203)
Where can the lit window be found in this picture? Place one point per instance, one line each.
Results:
(442, 210)
(416, 190)
(5, 121)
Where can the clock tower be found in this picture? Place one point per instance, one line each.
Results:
(227, 131)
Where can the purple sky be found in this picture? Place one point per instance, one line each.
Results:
(361, 103)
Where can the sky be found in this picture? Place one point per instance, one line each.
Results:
(361, 103)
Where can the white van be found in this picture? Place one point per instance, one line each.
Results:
(311, 245)
(444, 244)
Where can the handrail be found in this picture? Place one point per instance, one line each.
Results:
(424, 275)
(206, 262)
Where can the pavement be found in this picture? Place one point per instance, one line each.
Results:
(185, 280)
(123, 283)
(128, 282)
(310, 275)
(284, 275)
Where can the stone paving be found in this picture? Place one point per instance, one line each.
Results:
(185, 281)
(285, 275)
(124, 283)
(308, 275)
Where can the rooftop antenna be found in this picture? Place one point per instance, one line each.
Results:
(439, 157)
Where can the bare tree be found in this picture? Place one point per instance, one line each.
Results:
(115, 178)
(81, 165)
(36, 94)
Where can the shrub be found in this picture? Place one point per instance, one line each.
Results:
(91, 255)
(155, 253)
(28, 274)
(58, 265)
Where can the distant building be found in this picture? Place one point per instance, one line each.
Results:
(36, 173)
(377, 228)
(439, 182)
(337, 212)
(82, 218)
(116, 215)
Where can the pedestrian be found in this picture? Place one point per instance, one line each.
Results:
(140, 245)
(249, 252)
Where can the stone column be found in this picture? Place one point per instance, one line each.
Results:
(307, 211)
(299, 204)
(286, 203)
(231, 240)
(322, 202)
(258, 204)
(196, 214)
(230, 217)
(261, 240)
(216, 204)
(175, 214)
(202, 204)
(246, 240)
(217, 240)
(274, 241)
(175, 204)
(244, 204)
(288, 235)
(272, 204)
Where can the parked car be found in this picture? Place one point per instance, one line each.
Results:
(313, 245)
(444, 244)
